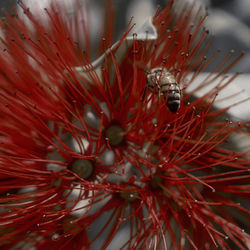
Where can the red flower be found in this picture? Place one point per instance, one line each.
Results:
(91, 151)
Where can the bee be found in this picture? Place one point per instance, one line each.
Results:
(165, 83)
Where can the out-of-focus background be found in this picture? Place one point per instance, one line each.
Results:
(228, 20)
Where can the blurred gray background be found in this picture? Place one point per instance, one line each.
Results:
(229, 21)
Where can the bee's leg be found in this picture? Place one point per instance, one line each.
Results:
(165, 96)
(158, 89)
(143, 94)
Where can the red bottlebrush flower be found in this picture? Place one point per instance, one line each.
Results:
(117, 149)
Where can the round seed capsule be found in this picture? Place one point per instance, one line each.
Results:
(83, 168)
(115, 135)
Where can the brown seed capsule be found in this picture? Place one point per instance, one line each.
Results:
(83, 168)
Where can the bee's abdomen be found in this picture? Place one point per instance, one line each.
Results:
(173, 96)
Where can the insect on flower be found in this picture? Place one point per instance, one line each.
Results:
(166, 85)
(83, 159)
